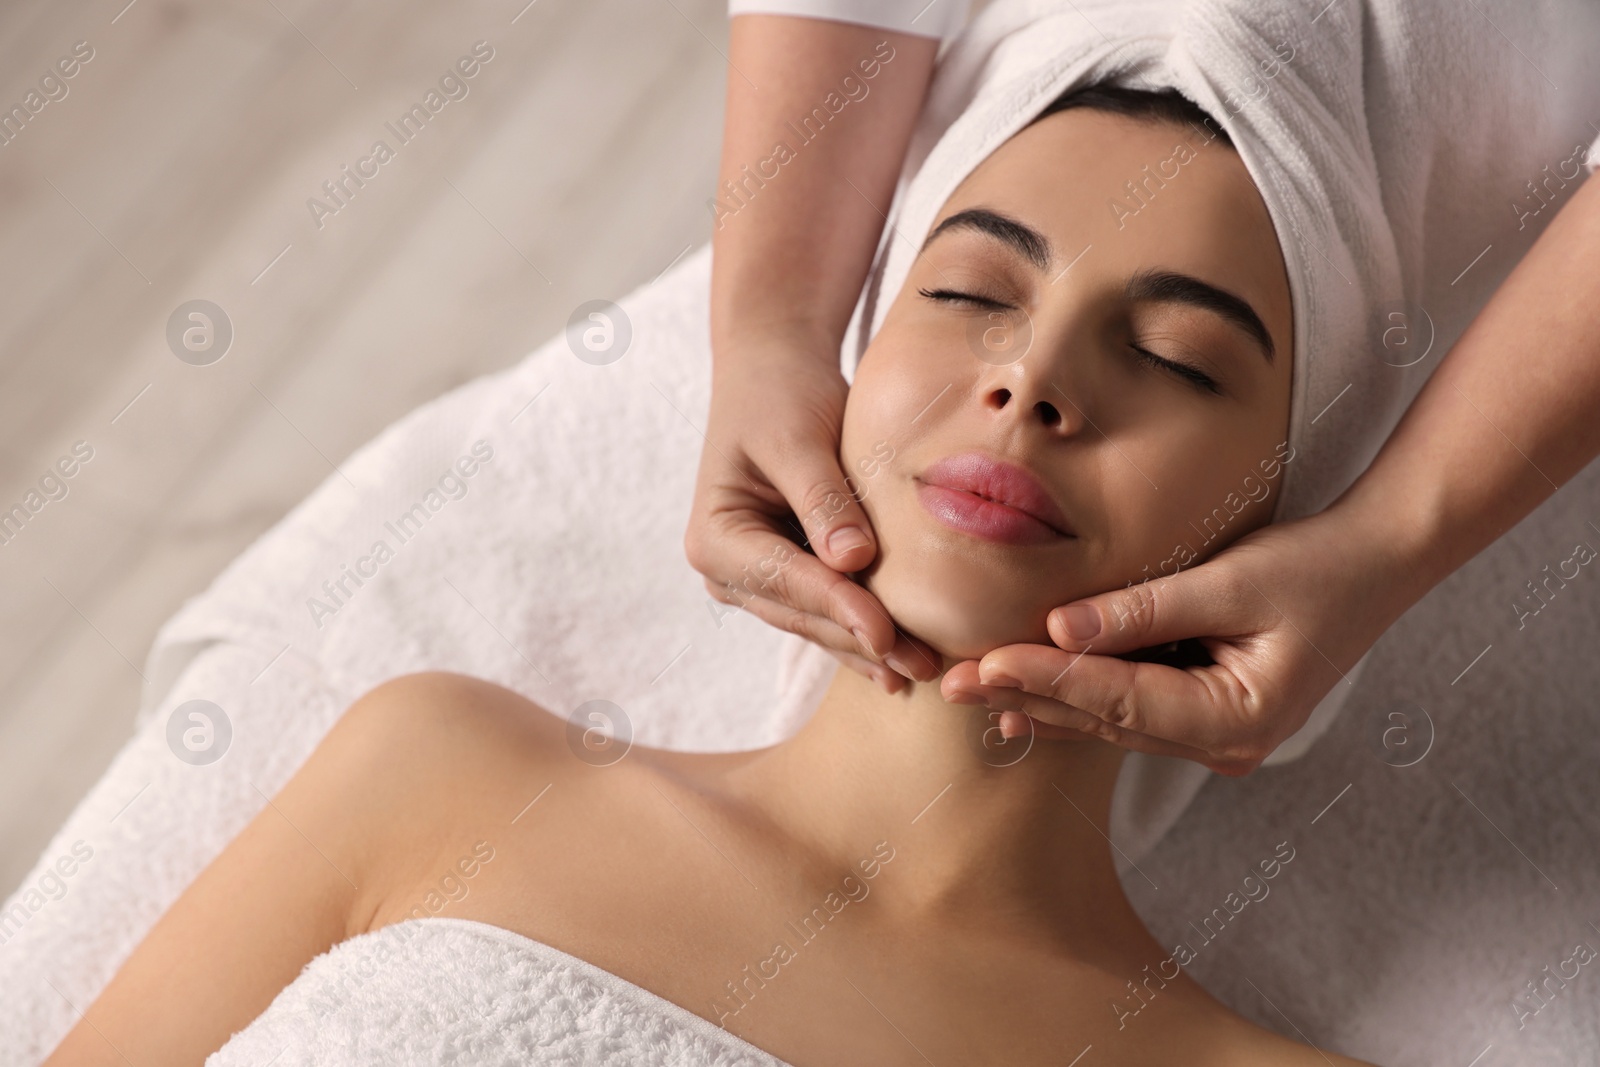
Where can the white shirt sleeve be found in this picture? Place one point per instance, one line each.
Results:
(1592, 160)
(926, 18)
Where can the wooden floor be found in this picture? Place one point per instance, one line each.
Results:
(178, 166)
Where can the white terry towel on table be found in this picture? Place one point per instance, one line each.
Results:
(442, 990)
(555, 567)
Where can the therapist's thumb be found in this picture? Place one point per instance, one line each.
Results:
(836, 527)
(1150, 613)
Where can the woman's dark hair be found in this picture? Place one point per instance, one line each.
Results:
(1167, 105)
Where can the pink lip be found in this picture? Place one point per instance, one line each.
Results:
(990, 499)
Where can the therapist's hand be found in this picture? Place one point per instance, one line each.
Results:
(1284, 612)
(769, 483)
(790, 252)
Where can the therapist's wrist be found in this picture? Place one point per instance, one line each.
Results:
(774, 345)
(1402, 537)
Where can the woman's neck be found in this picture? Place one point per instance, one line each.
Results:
(980, 833)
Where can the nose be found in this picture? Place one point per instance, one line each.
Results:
(1027, 392)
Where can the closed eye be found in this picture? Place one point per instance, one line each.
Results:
(1199, 378)
(951, 296)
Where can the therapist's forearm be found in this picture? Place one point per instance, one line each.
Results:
(1510, 415)
(795, 233)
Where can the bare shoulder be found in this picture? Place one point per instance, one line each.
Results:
(432, 756)
(1270, 1049)
(1200, 1030)
(392, 788)
(436, 734)
(415, 714)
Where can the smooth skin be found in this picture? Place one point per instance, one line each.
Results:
(972, 912)
(1508, 417)
(678, 872)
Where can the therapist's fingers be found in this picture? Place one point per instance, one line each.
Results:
(805, 596)
(1208, 714)
(748, 564)
(1193, 602)
(1054, 719)
(1021, 724)
(888, 680)
(908, 658)
(837, 642)
(808, 474)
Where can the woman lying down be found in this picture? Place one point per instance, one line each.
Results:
(889, 885)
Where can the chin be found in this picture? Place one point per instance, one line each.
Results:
(964, 604)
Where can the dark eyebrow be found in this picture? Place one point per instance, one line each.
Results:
(1173, 287)
(1023, 239)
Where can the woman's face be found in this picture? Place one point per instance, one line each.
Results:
(1007, 384)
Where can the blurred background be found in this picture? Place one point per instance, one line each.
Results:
(175, 164)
